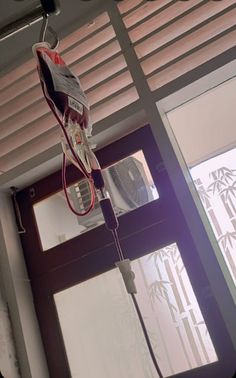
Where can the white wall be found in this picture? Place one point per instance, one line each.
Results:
(8, 358)
(18, 297)
(206, 125)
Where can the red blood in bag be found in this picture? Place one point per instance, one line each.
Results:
(62, 88)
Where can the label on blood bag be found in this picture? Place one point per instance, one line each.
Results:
(75, 105)
(64, 81)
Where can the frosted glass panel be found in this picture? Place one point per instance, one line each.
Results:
(129, 183)
(102, 334)
(215, 181)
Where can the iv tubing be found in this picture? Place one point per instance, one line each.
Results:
(118, 246)
(82, 168)
(146, 336)
(66, 194)
(69, 157)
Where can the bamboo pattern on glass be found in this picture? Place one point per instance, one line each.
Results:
(172, 312)
(217, 191)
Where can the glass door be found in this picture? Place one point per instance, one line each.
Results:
(102, 333)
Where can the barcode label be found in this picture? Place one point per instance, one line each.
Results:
(75, 105)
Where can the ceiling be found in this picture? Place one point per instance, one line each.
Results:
(17, 48)
(166, 39)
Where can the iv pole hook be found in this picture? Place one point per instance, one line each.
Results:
(44, 30)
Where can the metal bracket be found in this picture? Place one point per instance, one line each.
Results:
(20, 227)
(29, 18)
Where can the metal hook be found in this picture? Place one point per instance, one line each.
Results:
(44, 30)
(55, 36)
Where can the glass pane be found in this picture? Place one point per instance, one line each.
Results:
(215, 180)
(99, 323)
(206, 134)
(129, 183)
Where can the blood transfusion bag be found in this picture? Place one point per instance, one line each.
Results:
(69, 104)
(61, 88)
(63, 92)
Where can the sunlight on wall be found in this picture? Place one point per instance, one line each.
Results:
(205, 126)
(8, 362)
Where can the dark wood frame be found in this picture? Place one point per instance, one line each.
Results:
(93, 253)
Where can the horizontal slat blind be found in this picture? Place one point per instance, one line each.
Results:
(178, 28)
(146, 9)
(101, 56)
(170, 37)
(192, 61)
(36, 145)
(127, 5)
(159, 20)
(189, 42)
(27, 126)
(84, 31)
(114, 104)
(30, 149)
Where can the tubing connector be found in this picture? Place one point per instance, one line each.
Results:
(128, 275)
